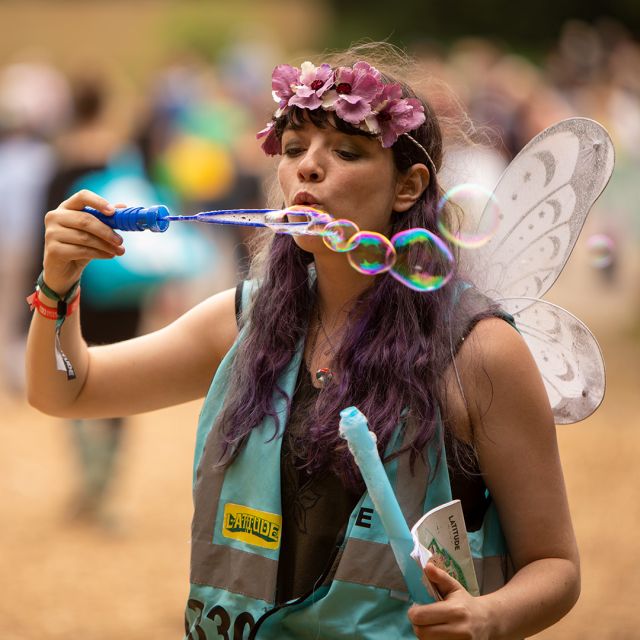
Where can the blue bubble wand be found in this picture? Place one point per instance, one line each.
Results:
(158, 218)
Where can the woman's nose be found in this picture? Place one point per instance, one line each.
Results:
(310, 167)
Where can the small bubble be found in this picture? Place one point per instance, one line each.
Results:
(337, 235)
(602, 250)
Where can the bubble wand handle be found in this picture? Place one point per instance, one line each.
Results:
(355, 430)
(158, 218)
(154, 218)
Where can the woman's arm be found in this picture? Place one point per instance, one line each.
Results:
(170, 366)
(514, 434)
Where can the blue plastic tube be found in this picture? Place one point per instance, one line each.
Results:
(355, 429)
(154, 218)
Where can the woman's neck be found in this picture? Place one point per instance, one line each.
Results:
(339, 284)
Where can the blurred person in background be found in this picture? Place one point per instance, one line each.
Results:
(195, 141)
(34, 104)
(92, 156)
(85, 148)
(265, 349)
(596, 67)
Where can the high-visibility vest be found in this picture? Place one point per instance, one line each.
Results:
(236, 534)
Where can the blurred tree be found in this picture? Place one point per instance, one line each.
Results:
(531, 26)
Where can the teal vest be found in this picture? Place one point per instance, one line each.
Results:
(236, 535)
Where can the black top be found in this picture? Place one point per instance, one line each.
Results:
(316, 508)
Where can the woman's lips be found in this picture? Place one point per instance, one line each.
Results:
(306, 199)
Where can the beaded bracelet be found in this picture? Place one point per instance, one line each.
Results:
(66, 305)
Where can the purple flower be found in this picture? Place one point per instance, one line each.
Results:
(393, 115)
(284, 81)
(314, 82)
(271, 146)
(354, 91)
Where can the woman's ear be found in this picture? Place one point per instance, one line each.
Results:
(410, 186)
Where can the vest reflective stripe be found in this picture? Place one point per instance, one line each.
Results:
(254, 576)
(370, 563)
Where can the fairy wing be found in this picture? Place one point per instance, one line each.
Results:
(567, 354)
(543, 199)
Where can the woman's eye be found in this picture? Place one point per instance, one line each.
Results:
(348, 155)
(292, 152)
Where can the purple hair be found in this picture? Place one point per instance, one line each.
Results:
(394, 352)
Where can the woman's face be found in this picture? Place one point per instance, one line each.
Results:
(348, 176)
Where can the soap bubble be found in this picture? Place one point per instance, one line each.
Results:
(480, 215)
(318, 219)
(371, 253)
(602, 250)
(285, 222)
(423, 261)
(337, 235)
(297, 220)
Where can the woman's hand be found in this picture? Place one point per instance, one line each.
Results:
(458, 616)
(74, 237)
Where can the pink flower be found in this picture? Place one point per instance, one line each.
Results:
(271, 146)
(355, 89)
(284, 81)
(394, 115)
(314, 82)
(356, 94)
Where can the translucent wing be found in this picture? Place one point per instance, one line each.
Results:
(544, 196)
(567, 355)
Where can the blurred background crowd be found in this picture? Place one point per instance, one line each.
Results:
(179, 129)
(159, 102)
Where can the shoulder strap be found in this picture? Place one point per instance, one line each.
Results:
(469, 307)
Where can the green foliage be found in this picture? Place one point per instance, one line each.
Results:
(532, 26)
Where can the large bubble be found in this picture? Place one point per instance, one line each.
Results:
(423, 260)
(284, 221)
(337, 235)
(475, 215)
(297, 220)
(371, 253)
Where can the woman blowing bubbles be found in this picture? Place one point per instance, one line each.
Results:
(283, 544)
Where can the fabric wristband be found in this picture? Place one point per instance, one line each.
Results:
(65, 306)
(51, 313)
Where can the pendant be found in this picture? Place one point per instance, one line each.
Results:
(324, 376)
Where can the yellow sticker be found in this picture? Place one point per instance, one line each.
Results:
(259, 528)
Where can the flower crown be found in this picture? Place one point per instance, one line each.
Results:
(356, 94)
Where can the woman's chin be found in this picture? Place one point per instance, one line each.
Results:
(312, 244)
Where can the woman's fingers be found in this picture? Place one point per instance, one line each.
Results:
(107, 243)
(74, 253)
(83, 224)
(86, 198)
(73, 237)
(429, 615)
